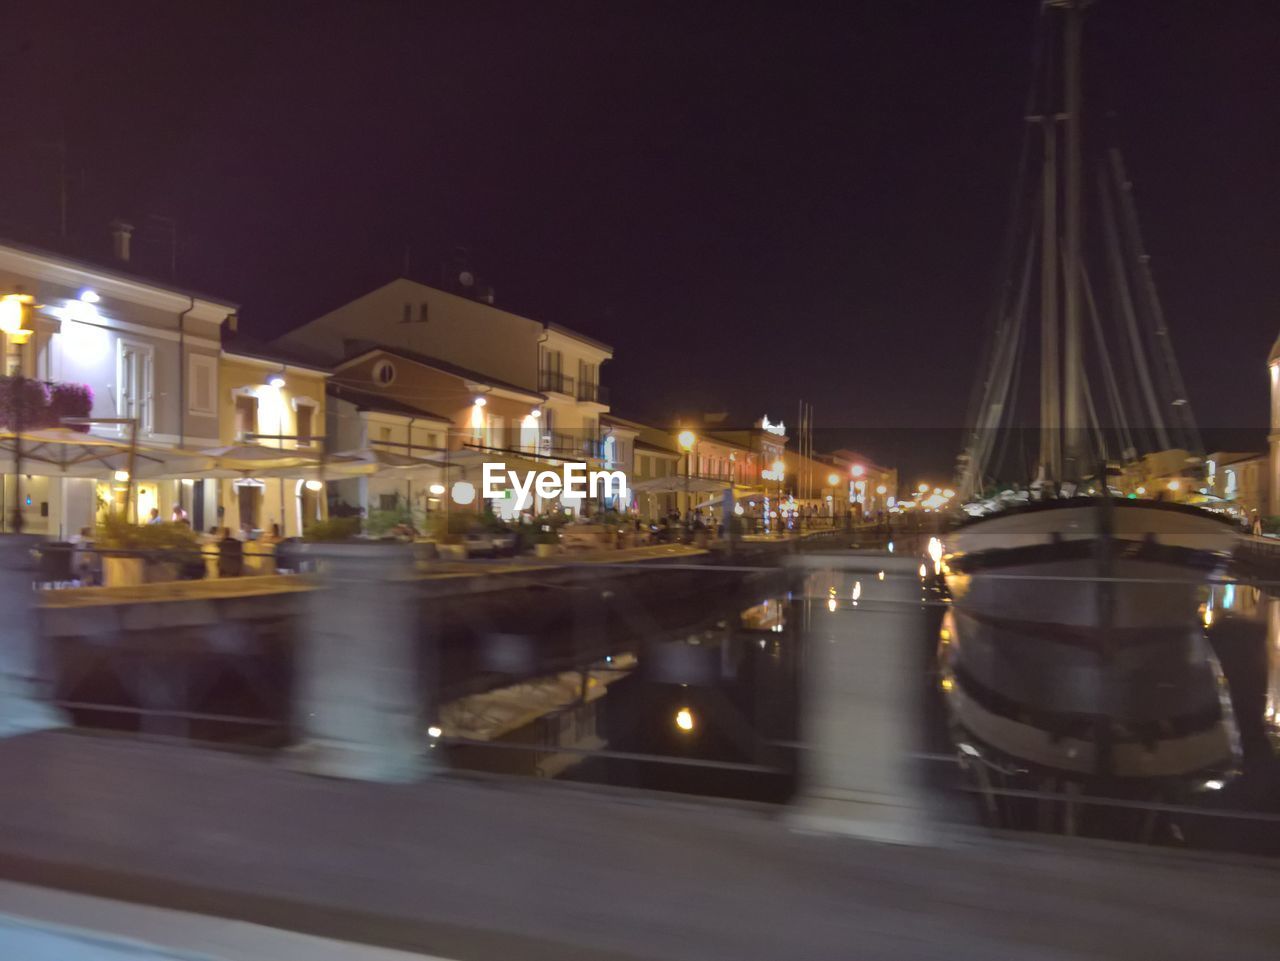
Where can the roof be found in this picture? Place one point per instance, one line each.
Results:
(442, 365)
(367, 400)
(577, 336)
(242, 345)
(1225, 458)
(657, 449)
(113, 271)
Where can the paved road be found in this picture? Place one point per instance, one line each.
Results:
(486, 870)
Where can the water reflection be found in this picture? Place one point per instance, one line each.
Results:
(1185, 720)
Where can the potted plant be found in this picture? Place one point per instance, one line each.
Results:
(546, 542)
(135, 554)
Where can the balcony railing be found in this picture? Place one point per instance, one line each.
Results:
(555, 381)
(593, 393)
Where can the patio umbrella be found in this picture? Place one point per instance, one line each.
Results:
(61, 452)
(236, 460)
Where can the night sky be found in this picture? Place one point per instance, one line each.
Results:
(752, 202)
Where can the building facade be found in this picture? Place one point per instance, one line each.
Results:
(265, 400)
(148, 354)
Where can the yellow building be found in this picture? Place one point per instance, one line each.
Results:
(267, 400)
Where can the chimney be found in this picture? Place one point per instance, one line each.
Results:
(121, 236)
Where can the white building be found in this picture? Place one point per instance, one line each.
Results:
(146, 350)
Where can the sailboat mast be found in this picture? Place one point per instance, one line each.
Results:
(1050, 396)
(1074, 439)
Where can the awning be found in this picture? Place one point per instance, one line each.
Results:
(671, 484)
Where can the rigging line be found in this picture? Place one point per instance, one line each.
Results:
(1138, 355)
(1190, 439)
(1128, 451)
(1092, 411)
(1017, 354)
(1006, 262)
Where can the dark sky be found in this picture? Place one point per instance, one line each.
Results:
(752, 202)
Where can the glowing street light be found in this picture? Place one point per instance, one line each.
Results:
(922, 487)
(833, 480)
(684, 719)
(687, 440)
(858, 470)
(1175, 485)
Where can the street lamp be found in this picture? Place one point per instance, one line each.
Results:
(687, 440)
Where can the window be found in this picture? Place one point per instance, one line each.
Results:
(384, 373)
(202, 385)
(303, 418)
(246, 415)
(422, 313)
(408, 314)
(388, 502)
(134, 383)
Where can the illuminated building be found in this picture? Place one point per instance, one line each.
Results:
(144, 348)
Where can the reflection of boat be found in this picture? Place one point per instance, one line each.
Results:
(1074, 643)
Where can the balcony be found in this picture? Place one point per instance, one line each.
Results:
(593, 393)
(555, 382)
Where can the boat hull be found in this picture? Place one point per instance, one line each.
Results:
(1075, 640)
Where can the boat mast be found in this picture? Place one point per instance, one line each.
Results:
(1073, 414)
(1050, 396)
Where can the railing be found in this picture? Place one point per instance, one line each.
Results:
(593, 393)
(696, 667)
(555, 381)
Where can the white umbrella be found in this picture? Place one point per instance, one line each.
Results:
(237, 460)
(62, 452)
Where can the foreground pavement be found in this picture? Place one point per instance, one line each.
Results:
(477, 870)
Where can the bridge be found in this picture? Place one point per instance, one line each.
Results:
(348, 833)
